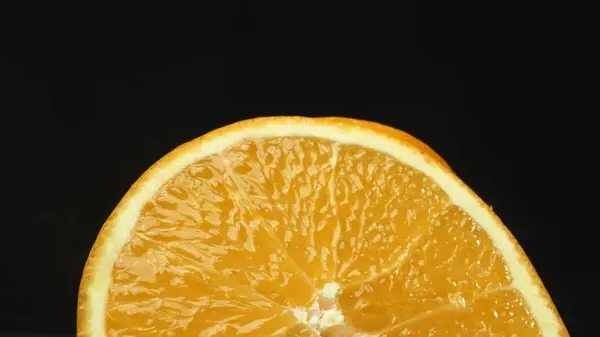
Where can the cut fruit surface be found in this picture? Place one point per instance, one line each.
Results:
(292, 226)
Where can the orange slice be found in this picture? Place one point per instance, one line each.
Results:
(292, 226)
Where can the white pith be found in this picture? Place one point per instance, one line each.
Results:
(323, 313)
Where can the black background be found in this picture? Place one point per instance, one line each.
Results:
(504, 93)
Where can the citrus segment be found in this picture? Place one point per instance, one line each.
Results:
(224, 236)
(384, 207)
(155, 292)
(286, 181)
(453, 263)
(498, 313)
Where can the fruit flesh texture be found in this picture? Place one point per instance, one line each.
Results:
(235, 241)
